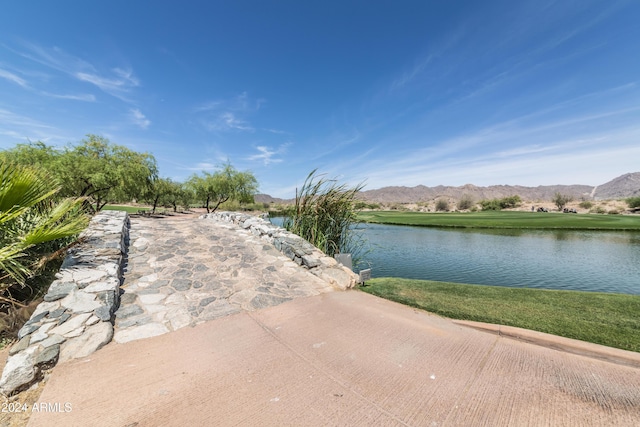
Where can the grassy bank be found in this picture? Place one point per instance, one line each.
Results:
(127, 209)
(608, 319)
(508, 219)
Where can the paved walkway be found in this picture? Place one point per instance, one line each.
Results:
(280, 349)
(182, 271)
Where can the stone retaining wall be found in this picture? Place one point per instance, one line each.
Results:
(76, 316)
(293, 246)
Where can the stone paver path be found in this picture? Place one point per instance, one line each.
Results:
(182, 271)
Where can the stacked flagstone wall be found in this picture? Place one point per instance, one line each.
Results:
(293, 246)
(75, 318)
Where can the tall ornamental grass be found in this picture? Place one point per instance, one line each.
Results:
(324, 214)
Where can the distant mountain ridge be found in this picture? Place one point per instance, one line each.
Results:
(627, 185)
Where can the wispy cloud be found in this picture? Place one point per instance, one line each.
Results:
(267, 155)
(117, 81)
(87, 97)
(138, 118)
(226, 122)
(13, 78)
(21, 127)
(224, 115)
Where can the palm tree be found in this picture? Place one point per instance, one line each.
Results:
(30, 222)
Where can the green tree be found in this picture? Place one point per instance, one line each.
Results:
(223, 185)
(168, 193)
(105, 172)
(29, 220)
(95, 169)
(561, 200)
(633, 202)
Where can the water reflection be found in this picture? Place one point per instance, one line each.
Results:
(551, 259)
(556, 259)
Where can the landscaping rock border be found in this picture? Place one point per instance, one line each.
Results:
(76, 317)
(293, 246)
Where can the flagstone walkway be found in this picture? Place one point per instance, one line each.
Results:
(182, 271)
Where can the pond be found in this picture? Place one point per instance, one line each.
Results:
(566, 260)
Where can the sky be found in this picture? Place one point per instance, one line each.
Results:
(384, 92)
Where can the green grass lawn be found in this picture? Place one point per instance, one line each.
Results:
(128, 209)
(608, 319)
(506, 219)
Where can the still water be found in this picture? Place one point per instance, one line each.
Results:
(568, 260)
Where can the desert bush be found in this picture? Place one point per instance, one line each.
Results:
(324, 213)
(598, 210)
(465, 202)
(442, 205)
(561, 200)
(613, 212)
(586, 204)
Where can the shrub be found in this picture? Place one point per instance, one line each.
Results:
(510, 202)
(490, 205)
(465, 202)
(586, 204)
(598, 210)
(499, 204)
(633, 202)
(561, 200)
(613, 212)
(442, 205)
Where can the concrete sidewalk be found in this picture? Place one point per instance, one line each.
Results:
(340, 358)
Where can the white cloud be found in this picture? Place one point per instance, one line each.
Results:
(13, 78)
(87, 97)
(117, 82)
(228, 121)
(267, 155)
(139, 119)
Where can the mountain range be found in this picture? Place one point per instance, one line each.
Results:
(627, 185)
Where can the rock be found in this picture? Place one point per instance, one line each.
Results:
(129, 310)
(19, 371)
(20, 345)
(57, 313)
(59, 290)
(48, 357)
(52, 340)
(37, 317)
(127, 298)
(86, 275)
(63, 318)
(27, 329)
(80, 302)
(107, 285)
(310, 261)
(94, 338)
(139, 332)
(206, 301)
(41, 334)
(178, 317)
(71, 325)
(151, 298)
(263, 300)
(102, 313)
(181, 284)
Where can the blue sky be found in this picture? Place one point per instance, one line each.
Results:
(386, 92)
